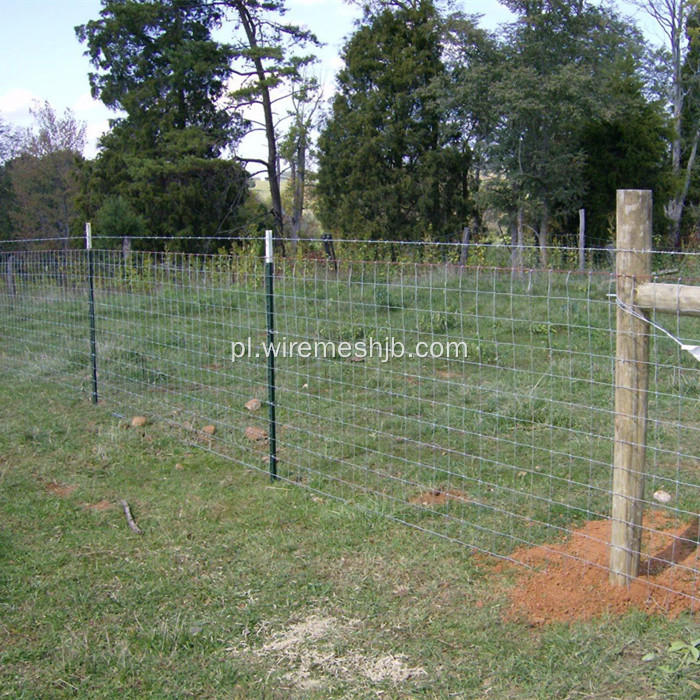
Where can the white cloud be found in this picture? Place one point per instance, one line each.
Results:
(93, 133)
(15, 104)
(85, 103)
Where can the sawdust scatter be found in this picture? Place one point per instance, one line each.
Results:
(312, 653)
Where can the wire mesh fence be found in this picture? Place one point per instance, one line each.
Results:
(472, 402)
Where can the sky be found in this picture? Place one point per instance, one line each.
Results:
(41, 59)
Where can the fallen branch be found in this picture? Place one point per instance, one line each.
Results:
(129, 518)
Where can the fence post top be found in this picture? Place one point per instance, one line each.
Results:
(268, 246)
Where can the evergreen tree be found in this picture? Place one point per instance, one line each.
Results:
(387, 167)
(158, 63)
(626, 148)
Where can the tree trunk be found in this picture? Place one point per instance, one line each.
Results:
(272, 158)
(298, 183)
(516, 239)
(674, 209)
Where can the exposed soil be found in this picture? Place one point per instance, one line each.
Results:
(439, 497)
(104, 504)
(62, 490)
(569, 581)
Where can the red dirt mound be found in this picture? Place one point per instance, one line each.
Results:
(569, 581)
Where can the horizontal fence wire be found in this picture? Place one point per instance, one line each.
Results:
(474, 402)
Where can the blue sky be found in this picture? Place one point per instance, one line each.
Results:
(42, 60)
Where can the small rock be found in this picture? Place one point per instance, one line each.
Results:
(253, 405)
(662, 496)
(255, 434)
(209, 429)
(139, 421)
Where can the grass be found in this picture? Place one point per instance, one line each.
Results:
(240, 588)
(243, 589)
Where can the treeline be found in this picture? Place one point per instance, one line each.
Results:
(436, 126)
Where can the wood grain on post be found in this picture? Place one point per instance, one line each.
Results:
(631, 384)
(677, 299)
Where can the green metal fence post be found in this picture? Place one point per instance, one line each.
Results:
(269, 298)
(91, 301)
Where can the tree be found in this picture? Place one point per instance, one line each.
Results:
(265, 64)
(44, 176)
(157, 61)
(118, 222)
(677, 20)
(296, 146)
(561, 55)
(53, 134)
(389, 167)
(627, 148)
(474, 62)
(8, 148)
(9, 142)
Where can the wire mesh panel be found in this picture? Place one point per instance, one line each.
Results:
(45, 315)
(673, 448)
(472, 402)
(165, 328)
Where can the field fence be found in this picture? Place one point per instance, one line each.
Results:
(473, 402)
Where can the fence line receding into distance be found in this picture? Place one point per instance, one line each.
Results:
(506, 446)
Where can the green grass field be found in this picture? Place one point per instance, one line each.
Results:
(243, 588)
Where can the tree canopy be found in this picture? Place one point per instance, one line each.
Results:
(387, 167)
(158, 63)
(435, 125)
(39, 179)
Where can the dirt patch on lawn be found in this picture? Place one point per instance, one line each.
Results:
(439, 497)
(104, 504)
(569, 581)
(62, 490)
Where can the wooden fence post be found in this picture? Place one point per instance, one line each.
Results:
(582, 239)
(464, 249)
(10, 275)
(633, 266)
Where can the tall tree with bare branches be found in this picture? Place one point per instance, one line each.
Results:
(266, 64)
(674, 18)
